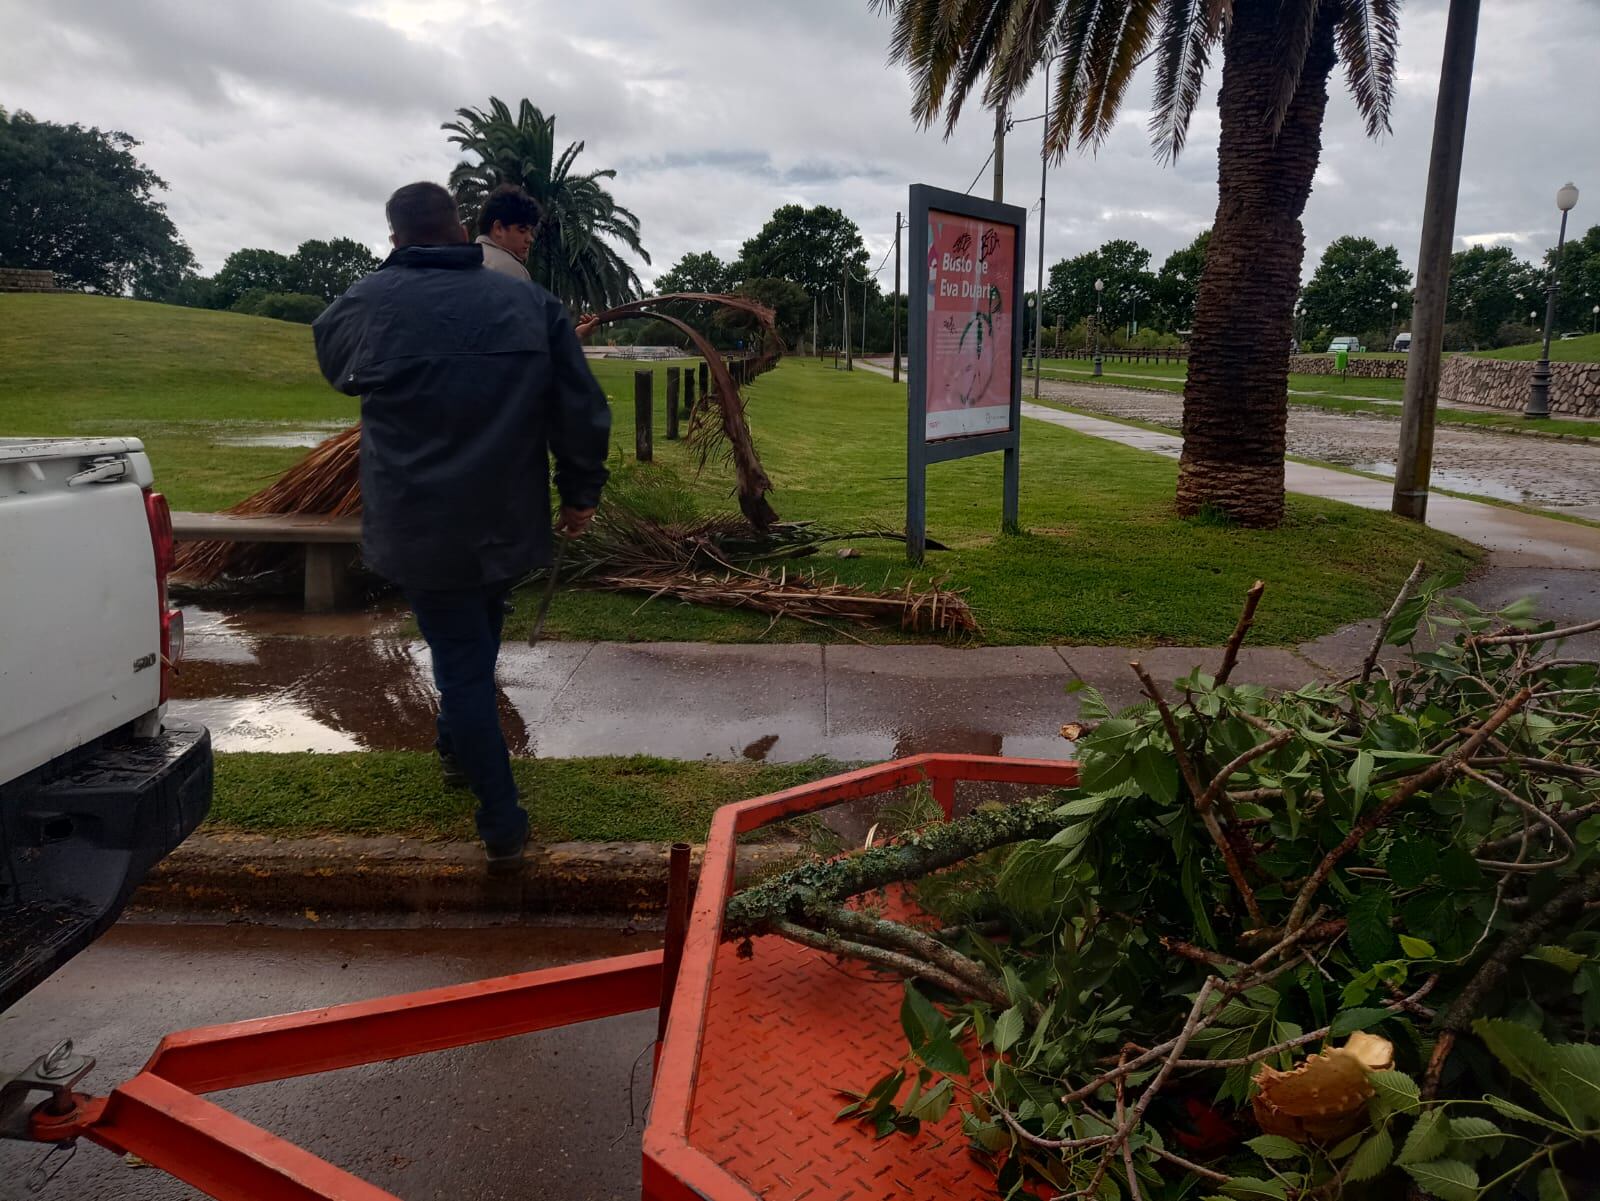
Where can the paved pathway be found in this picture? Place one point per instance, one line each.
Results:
(1558, 474)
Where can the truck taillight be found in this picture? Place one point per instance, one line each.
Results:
(159, 514)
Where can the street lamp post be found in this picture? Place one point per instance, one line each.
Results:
(1594, 319)
(1394, 321)
(1099, 289)
(1539, 392)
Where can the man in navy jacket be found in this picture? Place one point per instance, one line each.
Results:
(470, 383)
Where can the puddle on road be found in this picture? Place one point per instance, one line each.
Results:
(289, 438)
(1456, 481)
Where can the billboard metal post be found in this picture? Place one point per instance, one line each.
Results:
(967, 275)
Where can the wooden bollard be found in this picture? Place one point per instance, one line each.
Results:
(672, 403)
(688, 392)
(643, 416)
(705, 380)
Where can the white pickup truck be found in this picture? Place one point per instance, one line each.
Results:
(96, 783)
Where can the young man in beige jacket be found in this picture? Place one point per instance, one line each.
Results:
(505, 230)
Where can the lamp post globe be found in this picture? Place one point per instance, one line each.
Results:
(1539, 390)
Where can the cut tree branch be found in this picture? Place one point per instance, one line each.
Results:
(904, 965)
(1547, 636)
(1428, 777)
(875, 931)
(1230, 657)
(1376, 648)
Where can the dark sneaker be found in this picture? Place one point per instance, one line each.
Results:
(506, 856)
(450, 769)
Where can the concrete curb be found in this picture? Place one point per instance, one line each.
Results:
(253, 873)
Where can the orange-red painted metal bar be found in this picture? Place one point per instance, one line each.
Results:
(674, 1170)
(342, 1036)
(215, 1151)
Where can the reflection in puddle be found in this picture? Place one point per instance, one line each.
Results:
(291, 438)
(1453, 481)
(273, 679)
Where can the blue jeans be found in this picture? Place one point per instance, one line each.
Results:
(462, 629)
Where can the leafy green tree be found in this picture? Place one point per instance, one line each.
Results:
(785, 297)
(1277, 56)
(1124, 267)
(253, 270)
(1580, 282)
(327, 269)
(75, 201)
(1484, 284)
(812, 248)
(581, 228)
(1354, 286)
(702, 272)
(1178, 284)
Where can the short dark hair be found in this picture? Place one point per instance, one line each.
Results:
(423, 214)
(509, 205)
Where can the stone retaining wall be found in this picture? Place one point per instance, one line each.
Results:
(1503, 384)
(1361, 367)
(22, 279)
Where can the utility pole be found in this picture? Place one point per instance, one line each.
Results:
(844, 316)
(1414, 463)
(999, 154)
(814, 351)
(895, 310)
(1038, 292)
(864, 290)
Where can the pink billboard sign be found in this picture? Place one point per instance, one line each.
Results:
(969, 332)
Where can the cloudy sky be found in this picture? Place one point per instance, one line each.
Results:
(278, 121)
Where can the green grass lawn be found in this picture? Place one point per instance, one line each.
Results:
(620, 799)
(1103, 558)
(1584, 349)
(1347, 395)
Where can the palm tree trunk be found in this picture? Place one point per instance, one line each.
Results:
(1235, 403)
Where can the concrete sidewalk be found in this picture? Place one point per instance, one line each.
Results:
(294, 682)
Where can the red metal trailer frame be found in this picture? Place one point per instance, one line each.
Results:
(162, 1116)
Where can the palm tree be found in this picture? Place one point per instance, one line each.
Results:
(572, 253)
(1277, 56)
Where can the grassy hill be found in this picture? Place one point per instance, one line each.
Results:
(1103, 560)
(1574, 350)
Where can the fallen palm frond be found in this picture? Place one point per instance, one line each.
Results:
(327, 482)
(805, 597)
(728, 429)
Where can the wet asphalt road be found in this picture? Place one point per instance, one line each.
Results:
(544, 1116)
(1557, 474)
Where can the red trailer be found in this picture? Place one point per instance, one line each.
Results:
(755, 1045)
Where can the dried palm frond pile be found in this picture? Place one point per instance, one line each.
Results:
(327, 482)
(808, 597)
(647, 538)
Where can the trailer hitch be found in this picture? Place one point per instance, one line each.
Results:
(57, 1073)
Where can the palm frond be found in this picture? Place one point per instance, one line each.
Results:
(1025, 43)
(1105, 98)
(1368, 33)
(1297, 21)
(1190, 29)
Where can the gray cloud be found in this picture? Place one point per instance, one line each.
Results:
(278, 122)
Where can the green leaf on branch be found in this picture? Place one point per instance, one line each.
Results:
(932, 1105)
(1275, 1146)
(1416, 948)
(1552, 1187)
(1008, 1029)
(1471, 1137)
(1446, 1179)
(1155, 770)
(1371, 1157)
(1411, 862)
(919, 1019)
(1427, 1139)
(1370, 936)
(1395, 1091)
(1359, 776)
(1253, 1186)
(1564, 958)
(1360, 1018)
(942, 1055)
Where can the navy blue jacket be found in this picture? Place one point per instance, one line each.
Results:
(470, 382)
